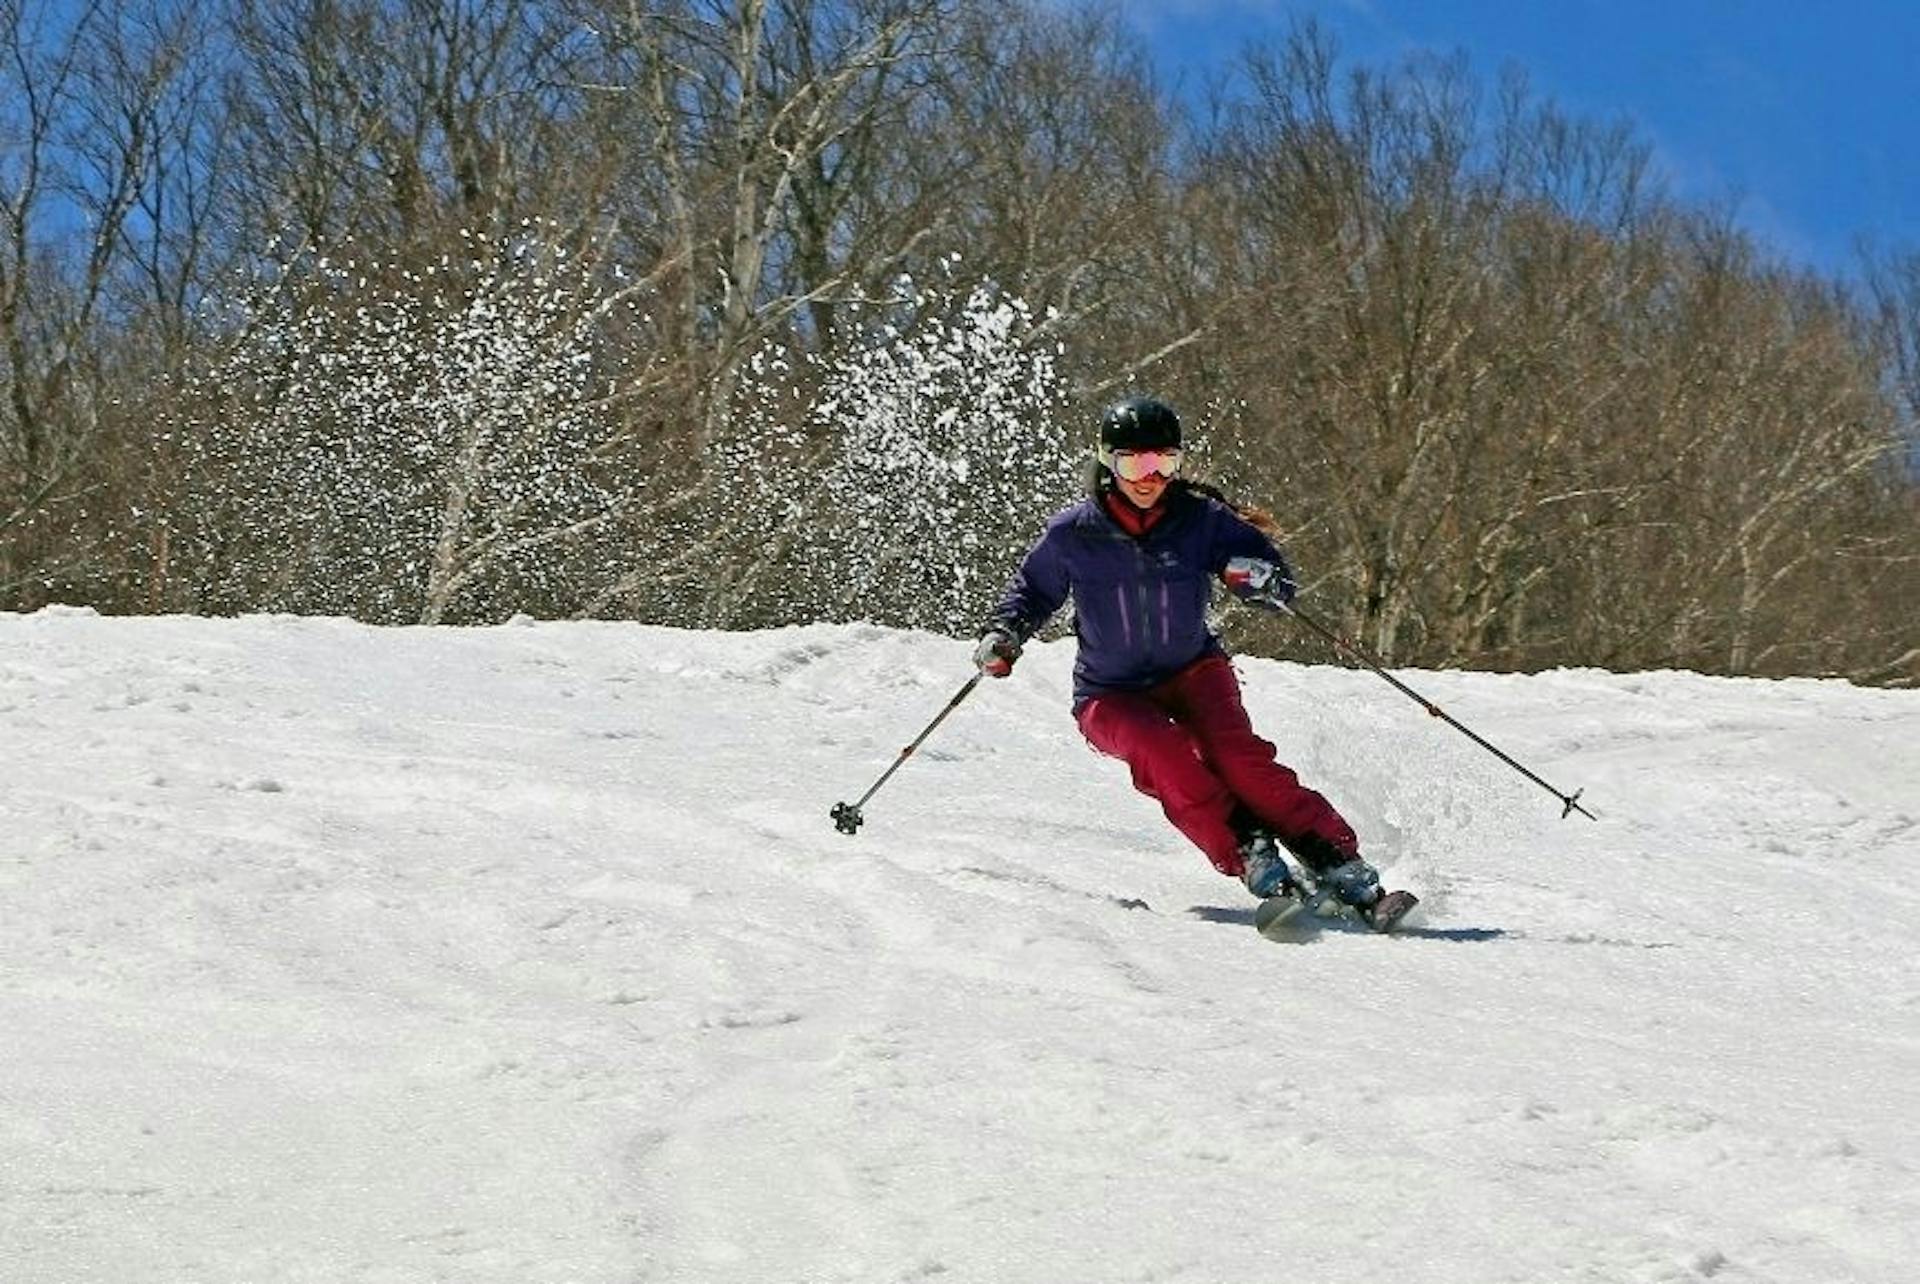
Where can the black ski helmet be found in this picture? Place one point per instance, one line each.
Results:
(1139, 423)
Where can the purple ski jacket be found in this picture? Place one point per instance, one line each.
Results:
(1140, 602)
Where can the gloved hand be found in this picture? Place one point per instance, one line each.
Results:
(996, 653)
(1254, 579)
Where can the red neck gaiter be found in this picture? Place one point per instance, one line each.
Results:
(1134, 521)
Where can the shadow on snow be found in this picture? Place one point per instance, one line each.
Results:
(1242, 916)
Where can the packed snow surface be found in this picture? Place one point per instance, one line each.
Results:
(524, 954)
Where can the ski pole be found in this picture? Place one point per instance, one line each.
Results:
(1571, 802)
(846, 816)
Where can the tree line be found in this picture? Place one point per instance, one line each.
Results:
(733, 313)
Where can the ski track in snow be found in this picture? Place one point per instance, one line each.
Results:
(527, 954)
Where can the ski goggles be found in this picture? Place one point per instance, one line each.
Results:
(1138, 465)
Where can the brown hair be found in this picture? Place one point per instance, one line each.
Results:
(1252, 514)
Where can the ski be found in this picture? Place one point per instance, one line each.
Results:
(1285, 918)
(1385, 914)
(1294, 918)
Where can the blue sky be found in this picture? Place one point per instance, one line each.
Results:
(1804, 114)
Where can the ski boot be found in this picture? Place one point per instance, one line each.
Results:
(1283, 901)
(1268, 875)
(1265, 870)
(1355, 885)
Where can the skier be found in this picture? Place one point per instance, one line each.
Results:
(1152, 683)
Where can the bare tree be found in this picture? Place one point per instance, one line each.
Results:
(1799, 435)
(1893, 293)
(1514, 405)
(1522, 410)
(1067, 190)
(408, 120)
(765, 189)
(1375, 241)
(759, 126)
(409, 441)
(83, 108)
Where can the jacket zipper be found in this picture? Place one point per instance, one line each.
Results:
(1140, 590)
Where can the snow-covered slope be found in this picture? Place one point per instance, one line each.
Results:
(530, 954)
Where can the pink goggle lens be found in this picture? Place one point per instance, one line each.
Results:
(1138, 465)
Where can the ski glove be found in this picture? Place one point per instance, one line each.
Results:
(1254, 579)
(996, 653)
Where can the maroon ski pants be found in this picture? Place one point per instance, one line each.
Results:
(1193, 749)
